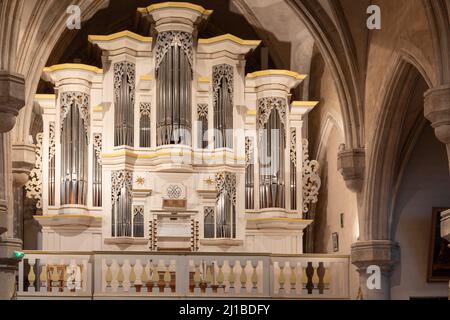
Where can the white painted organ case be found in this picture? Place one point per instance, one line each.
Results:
(170, 146)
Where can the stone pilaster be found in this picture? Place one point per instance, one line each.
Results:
(8, 267)
(367, 256)
(437, 110)
(12, 99)
(351, 164)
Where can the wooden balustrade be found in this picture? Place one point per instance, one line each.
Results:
(190, 275)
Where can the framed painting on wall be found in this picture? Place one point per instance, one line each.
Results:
(439, 252)
(335, 238)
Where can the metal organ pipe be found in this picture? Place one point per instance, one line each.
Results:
(74, 143)
(223, 105)
(272, 180)
(174, 82)
(124, 86)
(249, 174)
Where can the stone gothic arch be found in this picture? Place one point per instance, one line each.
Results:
(382, 172)
(337, 47)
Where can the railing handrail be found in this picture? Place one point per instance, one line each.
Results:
(187, 253)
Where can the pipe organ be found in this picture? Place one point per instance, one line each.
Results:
(171, 146)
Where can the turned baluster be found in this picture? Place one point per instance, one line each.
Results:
(197, 278)
(120, 277)
(293, 278)
(208, 280)
(231, 277)
(310, 275)
(281, 279)
(167, 279)
(220, 278)
(132, 277)
(43, 279)
(320, 271)
(31, 276)
(108, 276)
(254, 278)
(243, 276)
(144, 278)
(155, 278)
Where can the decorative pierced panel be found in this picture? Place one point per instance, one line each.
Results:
(138, 221)
(202, 121)
(223, 78)
(271, 129)
(293, 168)
(124, 98)
(145, 125)
(226, 205)
(97, 170)
(34, 185)
(249, 173)
(51, 164)
(121, 197)
(174, 82)
(311, 178)
(74, 147)
(209, 223)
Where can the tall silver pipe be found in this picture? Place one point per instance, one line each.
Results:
(74, 144)
(174, 77)
(124, 87)
(272, 148)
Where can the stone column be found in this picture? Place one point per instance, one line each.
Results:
(437, 110)
(370, 257)
(12, 99)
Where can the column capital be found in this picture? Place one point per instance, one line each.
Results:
(351, 164)
(437, 110)
(12, 98)
(23, 161)
(382, 253)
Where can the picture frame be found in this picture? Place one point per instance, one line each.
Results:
(335, 238)
(439, 251)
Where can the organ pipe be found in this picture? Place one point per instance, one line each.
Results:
(97, 171)
(121, 215)
(145, 126)
(74, 143)
(249, 174)
(293, 169)
(51, 165)
(271, 162)
(124, 97)
(226, 205)
(174, 82)
(223, 106)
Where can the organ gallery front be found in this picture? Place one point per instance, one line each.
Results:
(171, 146)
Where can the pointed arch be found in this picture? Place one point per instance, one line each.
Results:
(337, 48)
(42, 32)
(384, 163)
